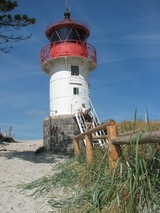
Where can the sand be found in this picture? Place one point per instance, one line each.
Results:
(18, 165)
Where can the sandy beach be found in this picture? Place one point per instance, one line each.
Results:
(18, 165)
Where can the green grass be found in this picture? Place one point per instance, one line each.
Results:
(132, 187)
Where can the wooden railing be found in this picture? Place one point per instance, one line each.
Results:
(114, 150)
(114, 140)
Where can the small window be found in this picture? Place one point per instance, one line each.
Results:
(74, 70)
(75, 91)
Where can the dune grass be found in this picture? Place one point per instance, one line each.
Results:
(127, 126)
(132, 187)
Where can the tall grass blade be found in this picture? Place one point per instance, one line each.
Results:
(147, 117)
(135, 119)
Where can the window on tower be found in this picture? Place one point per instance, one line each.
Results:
(75, 91)
(74, 70)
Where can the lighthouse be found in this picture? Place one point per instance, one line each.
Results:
(68, 60)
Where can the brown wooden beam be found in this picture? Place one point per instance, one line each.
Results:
(114, 150)
(143, 138)
(96, 129)
(95, 137)
(89, 148)
(76, 147)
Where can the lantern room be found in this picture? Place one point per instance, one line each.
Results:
(68, 38)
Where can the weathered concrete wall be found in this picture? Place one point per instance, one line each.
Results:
(58, 132)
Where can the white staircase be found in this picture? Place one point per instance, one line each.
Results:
(82, 124)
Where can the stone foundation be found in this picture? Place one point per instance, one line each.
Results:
(58, 132)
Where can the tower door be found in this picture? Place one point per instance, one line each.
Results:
(76, 97)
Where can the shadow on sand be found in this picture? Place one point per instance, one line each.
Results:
(44, 157)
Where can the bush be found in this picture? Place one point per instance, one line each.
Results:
(6, 139)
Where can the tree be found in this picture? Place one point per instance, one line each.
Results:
(9, 23)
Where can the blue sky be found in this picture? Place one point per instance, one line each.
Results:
(126, 35)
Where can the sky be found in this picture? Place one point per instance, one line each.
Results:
(126, 35)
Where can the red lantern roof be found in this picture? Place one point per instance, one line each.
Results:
(67, 22)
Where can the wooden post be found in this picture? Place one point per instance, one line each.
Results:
(76, 146)
(114, 150)
(89, 148)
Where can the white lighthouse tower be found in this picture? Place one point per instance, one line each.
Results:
(68, 60)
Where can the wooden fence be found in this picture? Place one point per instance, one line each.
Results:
(114, 140)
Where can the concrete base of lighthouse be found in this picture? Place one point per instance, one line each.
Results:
(58, 133)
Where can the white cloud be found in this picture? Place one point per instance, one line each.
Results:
(147, 38)
(135, 38)
(13, 68)
(35, 112)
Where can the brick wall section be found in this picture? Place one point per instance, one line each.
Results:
(58, 132)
